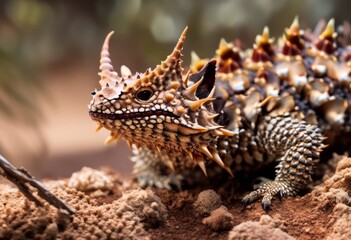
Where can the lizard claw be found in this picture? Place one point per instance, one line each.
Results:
(250, 198)
(266, 206)
(267, 191)
(246, 200)
(281, 194)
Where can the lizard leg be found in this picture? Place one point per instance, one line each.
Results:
(297, 145)
(155, 169)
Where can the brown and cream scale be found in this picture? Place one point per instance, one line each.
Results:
(241, 110)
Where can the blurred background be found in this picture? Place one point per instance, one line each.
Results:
(49, 55)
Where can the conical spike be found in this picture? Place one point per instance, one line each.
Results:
(190, 91)
(177, 51)
(205, 150)
(329, 30)
(281, 40)
(186, 79)
(194, 58)
(223, 44)
(295, 26)
(227, 132)
(130, 144)
(266, 100)
(170, 164)
(172, 63)
(211, 94)
(200, 128)
(224, 47)
(202, 166)
(264, 38)
(98, 127)
(191, 155)
(179, 47)
(227, 168)
(111, 138)
(125, 71)
(105, 60)
(265, 34)
(194, 105)
(218, 159)
(213, 127)
(211, 117)
(198, 104)
(217, 133)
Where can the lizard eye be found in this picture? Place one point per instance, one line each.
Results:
(144, 94)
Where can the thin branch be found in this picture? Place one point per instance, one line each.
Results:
(21, 178)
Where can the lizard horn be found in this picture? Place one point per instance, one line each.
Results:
(105, 60)
(177, 51)
(172, 62)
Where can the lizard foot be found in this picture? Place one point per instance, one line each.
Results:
(267, 191)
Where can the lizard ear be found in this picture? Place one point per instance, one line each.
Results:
(207, 76)
(171, 67)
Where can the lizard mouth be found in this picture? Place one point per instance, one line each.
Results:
(130, 115)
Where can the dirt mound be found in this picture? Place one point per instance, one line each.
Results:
(95, 218)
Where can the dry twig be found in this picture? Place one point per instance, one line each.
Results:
(21, 178)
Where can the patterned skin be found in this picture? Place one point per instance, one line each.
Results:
(241, 110)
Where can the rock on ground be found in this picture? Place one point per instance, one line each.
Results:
(220, 219)
(336, 188)
(206, 202)
(262, 230)
(88, 179)
(335, 191)
(341, 227)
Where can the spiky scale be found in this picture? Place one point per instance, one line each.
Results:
(99, 127)
(203, 167)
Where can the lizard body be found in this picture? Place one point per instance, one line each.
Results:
(241, 110)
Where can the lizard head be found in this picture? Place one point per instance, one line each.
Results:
(161, 108)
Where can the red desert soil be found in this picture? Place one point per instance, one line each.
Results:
(109, 207)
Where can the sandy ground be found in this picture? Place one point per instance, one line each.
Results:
(109, 206)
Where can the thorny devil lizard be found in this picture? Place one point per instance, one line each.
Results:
(240, 110)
